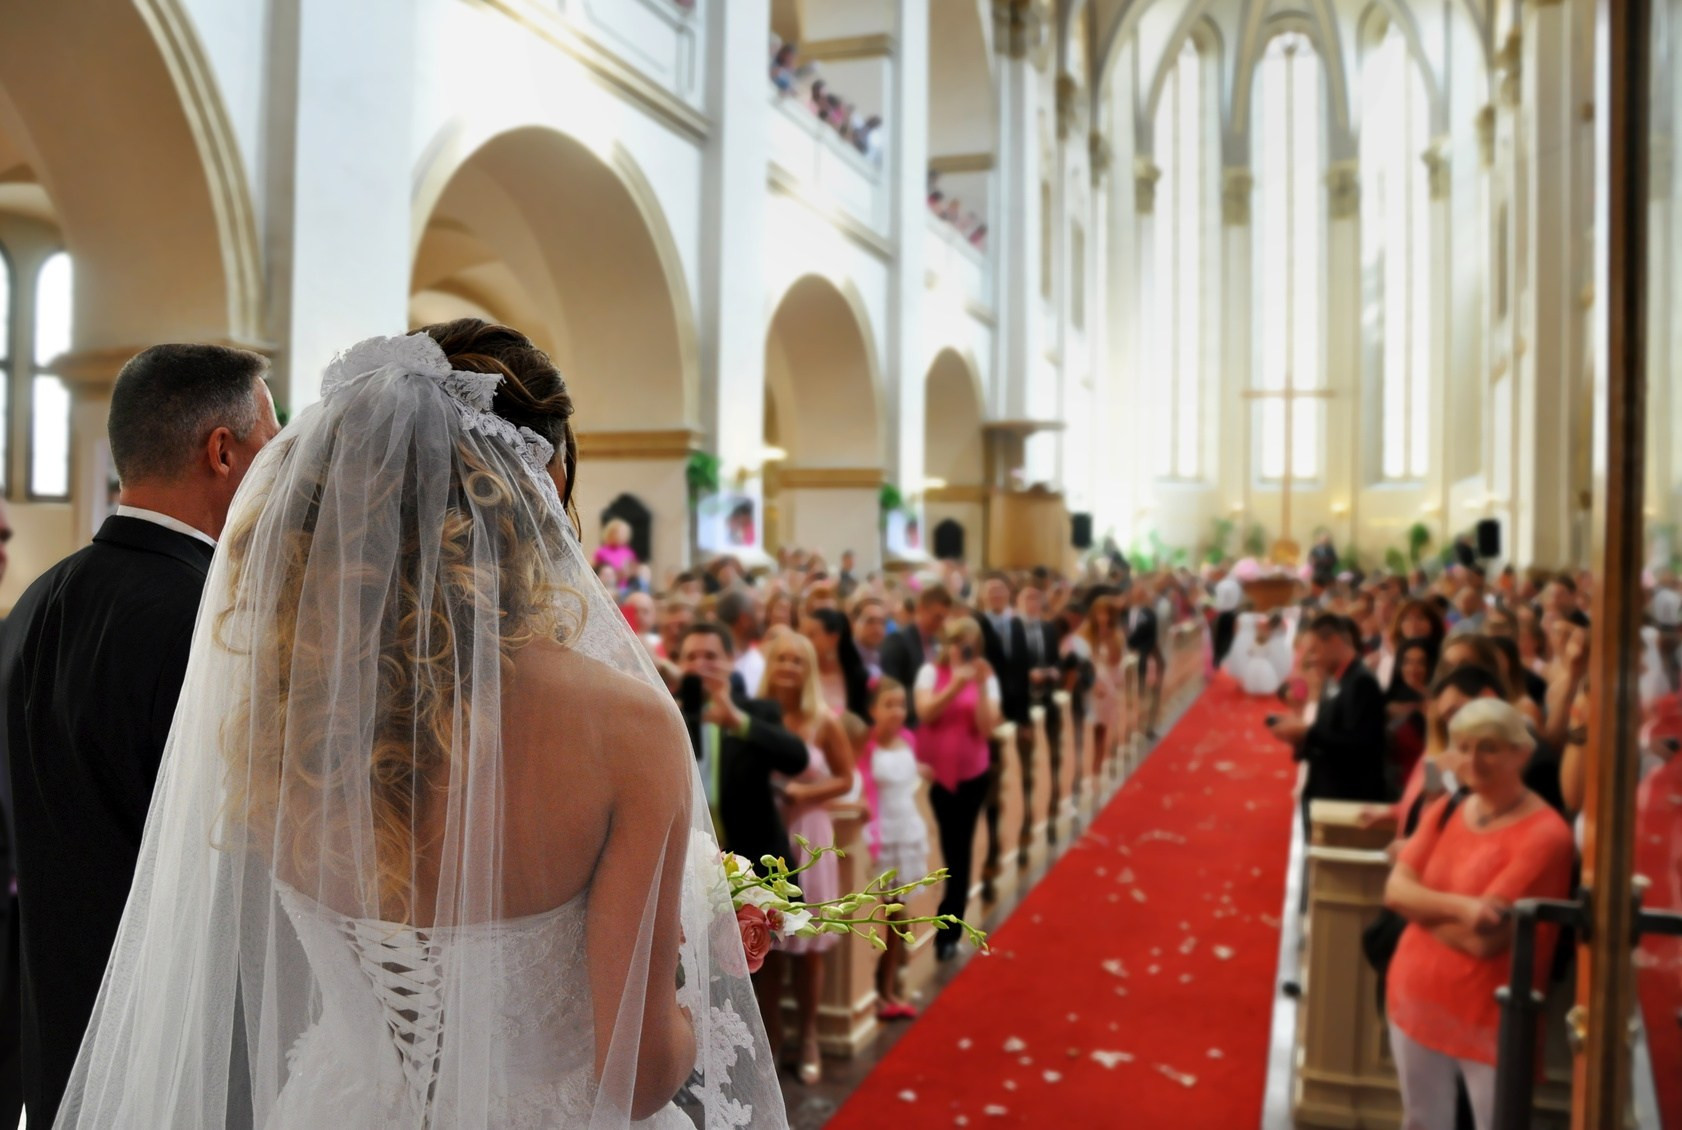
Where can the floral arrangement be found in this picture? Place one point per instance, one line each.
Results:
(769, 907)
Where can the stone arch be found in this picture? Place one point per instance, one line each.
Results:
(824, 408)
(1370, 29)
(566, 241)
(1206, 39)
(1256, 34)
(145, 181)
(955, 448)
(822, 375)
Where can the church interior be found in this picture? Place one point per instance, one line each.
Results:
(1217, 317)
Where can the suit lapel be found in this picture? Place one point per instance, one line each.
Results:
(148, 537)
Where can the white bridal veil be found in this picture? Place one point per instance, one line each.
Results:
(428, 847)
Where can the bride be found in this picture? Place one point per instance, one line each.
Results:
(428, 848)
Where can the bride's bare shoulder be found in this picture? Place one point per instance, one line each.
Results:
(589, 698)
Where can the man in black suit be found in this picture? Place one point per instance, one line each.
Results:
(11, 1005)
(739, 742)
(92, 661)
(1045, 677)
(1144, 639)
(1345, 747)
(904, 652)
(1005, 643)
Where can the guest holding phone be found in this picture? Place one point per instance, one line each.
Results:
(957, 697)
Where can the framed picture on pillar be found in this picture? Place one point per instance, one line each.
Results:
(730, 521)
(902, 535)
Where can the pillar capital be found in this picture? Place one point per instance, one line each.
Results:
(1486, 135)
(1099, 155)
(1236, 187)
(1019, 27)
(1343, 191)
(1437, 168)
(1145, 175)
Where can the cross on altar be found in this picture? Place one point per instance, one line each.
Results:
(1286, 550)
(1290, 395)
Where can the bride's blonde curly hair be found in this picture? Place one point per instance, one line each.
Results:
(423, 688)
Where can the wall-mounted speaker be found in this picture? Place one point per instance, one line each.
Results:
(1080, 530)
(1489, 538)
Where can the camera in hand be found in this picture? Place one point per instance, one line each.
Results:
(691, 694)
(1273, 720)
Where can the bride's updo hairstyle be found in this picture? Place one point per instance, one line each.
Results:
(532, 393)
(423, 553)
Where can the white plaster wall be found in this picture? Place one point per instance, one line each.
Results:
(832, 521)
(661, 486)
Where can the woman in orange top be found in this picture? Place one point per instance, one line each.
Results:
(1456, 882)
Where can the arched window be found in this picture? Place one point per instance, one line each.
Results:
(1176, 325)
(49, 396)
(1395, 237)
(1289, 377)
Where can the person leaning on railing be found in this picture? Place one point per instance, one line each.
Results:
(1456, 882)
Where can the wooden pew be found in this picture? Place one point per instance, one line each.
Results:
(1345, 1076)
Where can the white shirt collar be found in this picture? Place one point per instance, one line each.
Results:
(166, 522)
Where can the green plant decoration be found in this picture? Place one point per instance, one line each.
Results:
(1419, 536)
(1395, 561)
(890, 499)
(1224, 528)
(701, 473)
(1255, 541)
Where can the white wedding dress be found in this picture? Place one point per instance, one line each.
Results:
(372, 1057)
(328, 922)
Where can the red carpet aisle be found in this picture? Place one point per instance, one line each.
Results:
(1133, 987)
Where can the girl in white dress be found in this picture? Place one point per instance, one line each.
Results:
(899, 839)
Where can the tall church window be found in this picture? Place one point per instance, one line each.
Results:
(1396, 243)
(1289, 376)
(49, 396)
(1176, 325)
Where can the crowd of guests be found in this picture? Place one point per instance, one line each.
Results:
(809, 684)
(798, 79)
(951, 210)
(1456, 707)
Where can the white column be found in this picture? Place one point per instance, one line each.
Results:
(1343, 472)
(1018, 182)
(1117, 497)
(338, 186)
(732, 298)
(1231, 461)
(1548, 317)
(908, 187)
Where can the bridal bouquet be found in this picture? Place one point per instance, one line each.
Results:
(769, 907)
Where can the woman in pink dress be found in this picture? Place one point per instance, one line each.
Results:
(615, 551)
(791, 680)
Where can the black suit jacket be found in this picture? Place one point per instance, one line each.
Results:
(1144, 639)
(901, 658)
(1050, 633)
(753, 826)
(1345, 747)
(91, 663)
(1011, 669)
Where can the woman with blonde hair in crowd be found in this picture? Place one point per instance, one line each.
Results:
(791, 680)
(1456, 882)
(1102, 643)
(615, 550)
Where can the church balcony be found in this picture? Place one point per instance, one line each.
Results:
(654, 49)
(812, 159)
(957, 265)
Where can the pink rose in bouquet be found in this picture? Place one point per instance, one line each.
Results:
(756, 935)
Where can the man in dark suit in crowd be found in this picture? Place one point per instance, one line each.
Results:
(1005, 643)
(1345, 747)
(739, 742)
(92, 661)
(904, 652)
(1045, 678)
(1144, 639)
(11, 1006)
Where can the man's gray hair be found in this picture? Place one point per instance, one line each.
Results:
(169, 398)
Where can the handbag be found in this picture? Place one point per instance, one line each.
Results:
(1384, 933)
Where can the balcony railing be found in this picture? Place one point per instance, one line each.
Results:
(824, 166)
(958, 263)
